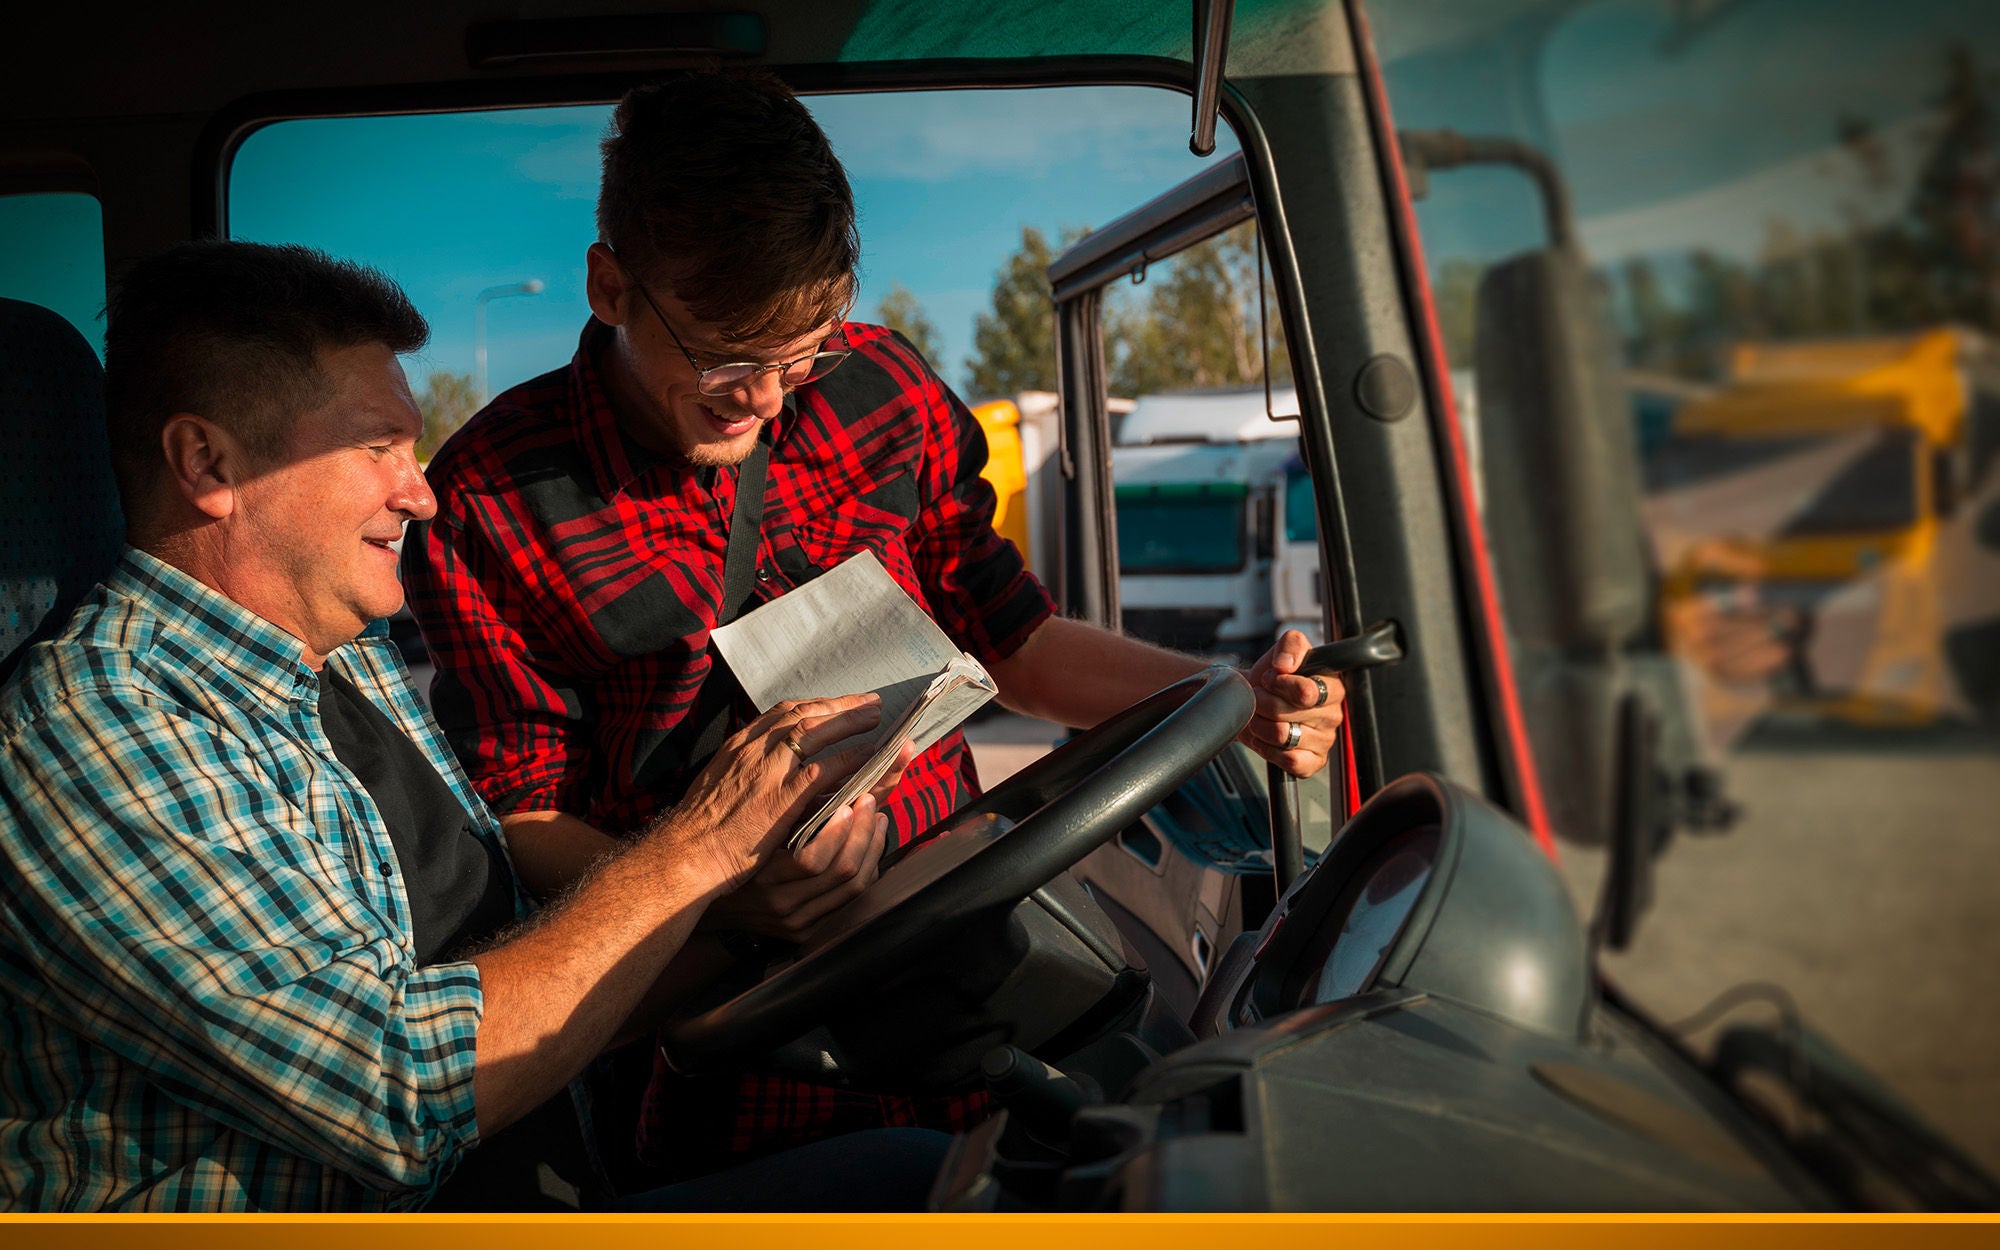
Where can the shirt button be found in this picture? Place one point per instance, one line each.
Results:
(763, 573)
(384, 868)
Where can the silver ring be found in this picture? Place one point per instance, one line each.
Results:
(1321, 683)
(1293, 734)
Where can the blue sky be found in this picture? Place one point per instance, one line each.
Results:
(944, 182)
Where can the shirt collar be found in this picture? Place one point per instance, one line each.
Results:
(261, 655)
(614, 457)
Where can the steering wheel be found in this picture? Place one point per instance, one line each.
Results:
(984, 858)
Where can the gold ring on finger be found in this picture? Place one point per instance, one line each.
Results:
(797, 750)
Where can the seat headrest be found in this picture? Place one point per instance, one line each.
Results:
(60, 524)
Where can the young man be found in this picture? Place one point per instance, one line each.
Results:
(261, 945)
(576, 567)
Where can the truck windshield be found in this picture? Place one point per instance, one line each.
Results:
(1174, 528)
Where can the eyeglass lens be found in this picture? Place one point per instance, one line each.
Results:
(797, 373)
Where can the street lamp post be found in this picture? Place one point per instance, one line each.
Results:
(533, 286)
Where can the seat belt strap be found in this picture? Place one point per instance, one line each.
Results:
(715, 703)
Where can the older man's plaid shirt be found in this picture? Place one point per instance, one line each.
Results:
(208, 994)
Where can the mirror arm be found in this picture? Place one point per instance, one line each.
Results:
(1211, 49)
(1640, 826)
(1430, 150)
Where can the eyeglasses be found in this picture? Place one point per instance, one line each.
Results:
(724, 378)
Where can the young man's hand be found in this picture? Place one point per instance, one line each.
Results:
(1285, 700)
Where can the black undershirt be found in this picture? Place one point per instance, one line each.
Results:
(461, 894)
(460, 890)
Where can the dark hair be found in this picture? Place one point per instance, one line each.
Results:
(722, 184)
(232, 332)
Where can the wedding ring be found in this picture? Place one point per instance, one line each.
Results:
(796, 748)
(1321, 683)
(1293, 733)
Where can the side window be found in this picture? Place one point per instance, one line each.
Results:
(52, 254)
(1197, 464)
(1216, 550)
(1208, 488)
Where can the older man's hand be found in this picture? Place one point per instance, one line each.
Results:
(794, 890)
(1296, 716)
(747, 798)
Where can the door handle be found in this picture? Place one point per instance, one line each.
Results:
(1378, 645)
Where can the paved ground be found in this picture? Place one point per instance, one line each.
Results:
(1864, 878)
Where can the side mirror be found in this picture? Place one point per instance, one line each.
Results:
(1562, 482)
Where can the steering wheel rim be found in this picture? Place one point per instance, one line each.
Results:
(1083, 793)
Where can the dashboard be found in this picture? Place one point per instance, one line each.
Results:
(1428, 889)
(1349, 946)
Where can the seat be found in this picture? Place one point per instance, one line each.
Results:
(60, 525)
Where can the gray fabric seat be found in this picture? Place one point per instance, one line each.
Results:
(60, 525)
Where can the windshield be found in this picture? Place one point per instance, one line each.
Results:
(1771, 193)
(1181, 528)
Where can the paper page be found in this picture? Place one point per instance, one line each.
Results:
(849, 630)
(951, 696)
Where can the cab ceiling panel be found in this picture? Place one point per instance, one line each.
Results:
(191, 59)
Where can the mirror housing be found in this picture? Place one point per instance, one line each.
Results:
(1561, 474)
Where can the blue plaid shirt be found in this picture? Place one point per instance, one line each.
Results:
(208, 993)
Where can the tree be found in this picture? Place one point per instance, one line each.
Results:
(1199, 324)
(448, 401)
(1014, 346)
(1195, 326)
(1954, 211)
(900, 311)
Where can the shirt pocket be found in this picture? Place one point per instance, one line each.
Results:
(876, 519)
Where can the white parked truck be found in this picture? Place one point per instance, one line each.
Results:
(1195, 477)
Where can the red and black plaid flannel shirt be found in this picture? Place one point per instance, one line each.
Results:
(569, 581)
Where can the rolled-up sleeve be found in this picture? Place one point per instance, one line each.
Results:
(162, 899)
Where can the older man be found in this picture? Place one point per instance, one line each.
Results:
(260, 942)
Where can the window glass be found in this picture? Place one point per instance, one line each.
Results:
(1182, 528)
(963, 198)
(1197, 458)
(52, 254)
(1791, 212)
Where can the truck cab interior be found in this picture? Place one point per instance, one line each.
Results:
(1188, 988)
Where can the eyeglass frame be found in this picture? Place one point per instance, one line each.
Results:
(701, 375)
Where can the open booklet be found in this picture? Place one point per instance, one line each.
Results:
(850, 630)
